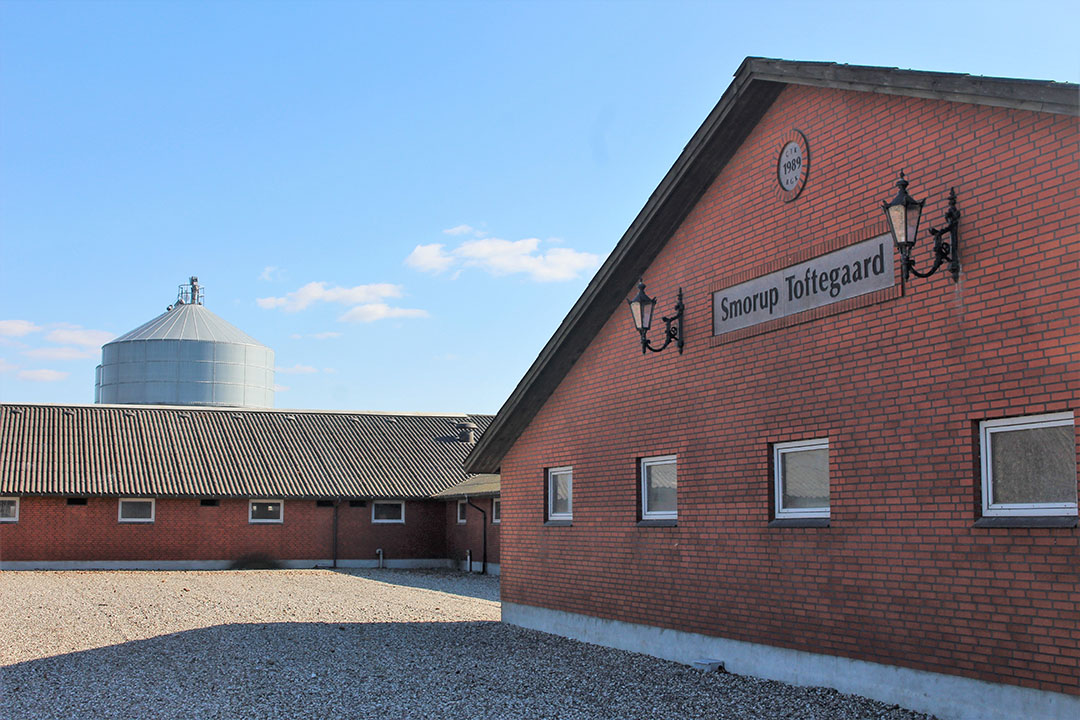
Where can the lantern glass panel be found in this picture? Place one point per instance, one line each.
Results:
(645, 319)
(641, 309)
(913, 211)
(898, 224)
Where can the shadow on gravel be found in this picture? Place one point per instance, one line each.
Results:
(474, 585)
(395, 670)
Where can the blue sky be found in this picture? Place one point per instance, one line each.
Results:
(402, 199)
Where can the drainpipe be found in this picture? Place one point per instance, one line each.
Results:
(483, 566)
(337, 501)
(379, 553)
(468, 561)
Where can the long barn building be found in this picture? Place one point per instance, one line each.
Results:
(115, 486)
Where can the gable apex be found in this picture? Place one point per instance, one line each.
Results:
(756, 85)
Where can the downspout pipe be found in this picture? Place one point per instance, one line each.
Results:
(483, 564)
(337, 502)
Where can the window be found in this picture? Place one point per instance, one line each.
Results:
(462, 511)
(209, 502)
(496, 510)
(9, 509)
(134, 510)
(358, 503)
(266, 511)
(76, 501)
(801, 471)
(388, 512)
(1029, 465)
(324, 503)
(659, 488)
(560, 492)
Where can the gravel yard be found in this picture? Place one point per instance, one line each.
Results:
(322, 644)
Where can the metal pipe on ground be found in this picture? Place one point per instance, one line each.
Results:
(483, 567)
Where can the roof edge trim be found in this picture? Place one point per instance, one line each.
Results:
(757, 82)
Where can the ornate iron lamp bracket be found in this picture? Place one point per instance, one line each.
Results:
(672, 330)
(944, 251)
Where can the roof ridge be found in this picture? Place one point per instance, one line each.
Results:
(211, 408)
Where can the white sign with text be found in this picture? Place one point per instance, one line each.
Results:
(849, 272)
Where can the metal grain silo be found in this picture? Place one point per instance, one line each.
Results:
(186, 356)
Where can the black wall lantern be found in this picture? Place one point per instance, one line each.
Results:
(641, 309)
(903, 214)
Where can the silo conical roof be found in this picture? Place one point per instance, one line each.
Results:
(186, 356)
(189, 322)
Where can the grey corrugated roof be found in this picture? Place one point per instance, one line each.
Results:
(189, 322)
(155, 451)
(476, 486)
(757, 83)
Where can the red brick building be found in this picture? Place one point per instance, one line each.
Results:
(114, 486)
(473, 519)
(845, 477)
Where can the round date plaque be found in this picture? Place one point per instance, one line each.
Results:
(793, 165)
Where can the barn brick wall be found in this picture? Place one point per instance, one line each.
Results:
(901, 576)
(469, 536)
(51, 530)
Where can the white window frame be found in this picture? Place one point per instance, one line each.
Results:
(462, 505)
(569, 514)
(646, 513)
(399, 503)
(496, 510)
(120, 510)
(281, 515)
(987, 430)
(14, 519)
(781, 449)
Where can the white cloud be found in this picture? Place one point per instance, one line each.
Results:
(366, 303)
(429, 258)
(270, 273)
(76, 335)
(462, 230)
(297, 369)
(5, 366)
(17, 328)
(379, 311)
(61, 353)
(504, 257)
(315, 292)
(43, 375)
(281, 388)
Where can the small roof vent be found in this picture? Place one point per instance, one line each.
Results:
(467, 432)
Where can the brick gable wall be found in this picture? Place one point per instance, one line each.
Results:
(898, 386)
